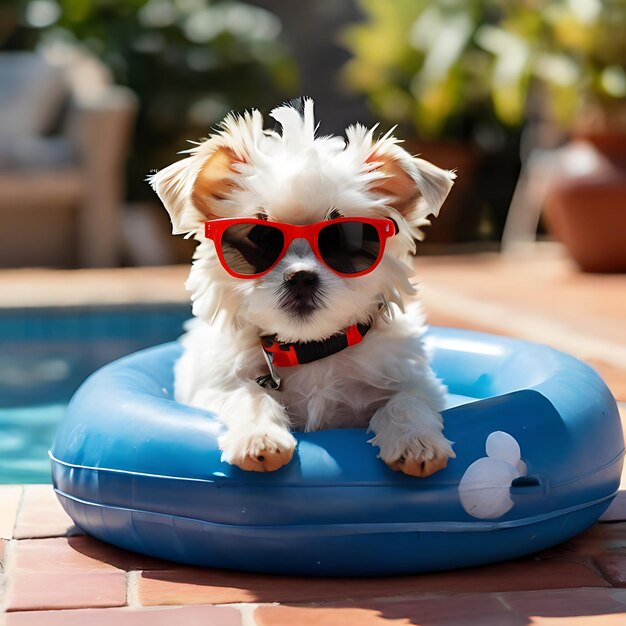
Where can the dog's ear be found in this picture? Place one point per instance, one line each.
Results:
(198, 188)
(214, 181)
(412, 186)
(191, 188)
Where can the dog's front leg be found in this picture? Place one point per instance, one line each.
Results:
(409, 430)
(258, 436)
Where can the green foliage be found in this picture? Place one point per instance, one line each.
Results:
(575, 50)
(189, 61)
(444, 65)
(416, 62)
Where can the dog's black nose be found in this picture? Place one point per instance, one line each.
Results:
(301, 295)
(301, 279)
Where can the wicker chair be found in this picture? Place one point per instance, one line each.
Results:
(64, 133)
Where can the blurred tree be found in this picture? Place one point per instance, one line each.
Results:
(451, 67)
(189, 61)
(418, 64)
(570, 53)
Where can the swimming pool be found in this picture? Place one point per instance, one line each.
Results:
(46, 353)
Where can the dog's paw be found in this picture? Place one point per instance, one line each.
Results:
(258, 452)
(423, 457)
(409, 433)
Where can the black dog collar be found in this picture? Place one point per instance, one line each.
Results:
(289, 354)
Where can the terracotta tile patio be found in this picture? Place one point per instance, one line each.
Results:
(53, 578)
(52, 575)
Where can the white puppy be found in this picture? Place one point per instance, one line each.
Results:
(333, 354)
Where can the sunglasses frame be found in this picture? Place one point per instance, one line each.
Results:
(215, 229)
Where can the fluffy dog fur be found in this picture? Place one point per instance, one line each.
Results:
(385, 381)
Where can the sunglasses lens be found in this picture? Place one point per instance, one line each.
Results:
(349, 247)
(251, 248)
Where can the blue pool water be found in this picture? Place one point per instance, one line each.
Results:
(46, 353)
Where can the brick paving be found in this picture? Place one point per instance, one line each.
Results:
(60, 578)
(52, 575)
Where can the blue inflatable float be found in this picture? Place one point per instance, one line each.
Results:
(136, 469)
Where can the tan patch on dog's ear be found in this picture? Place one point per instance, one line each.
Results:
(214, 181)
(413, 186)
(398, 185)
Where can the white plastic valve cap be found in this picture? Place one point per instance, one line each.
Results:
(485, 489)
(504, 447)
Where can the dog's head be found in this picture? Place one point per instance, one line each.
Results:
(294, 177)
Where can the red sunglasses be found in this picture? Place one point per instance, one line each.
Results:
(349, 246)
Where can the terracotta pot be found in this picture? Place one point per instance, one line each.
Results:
(460, 214)
(586, 207)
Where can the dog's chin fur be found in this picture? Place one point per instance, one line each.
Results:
(297, 178)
